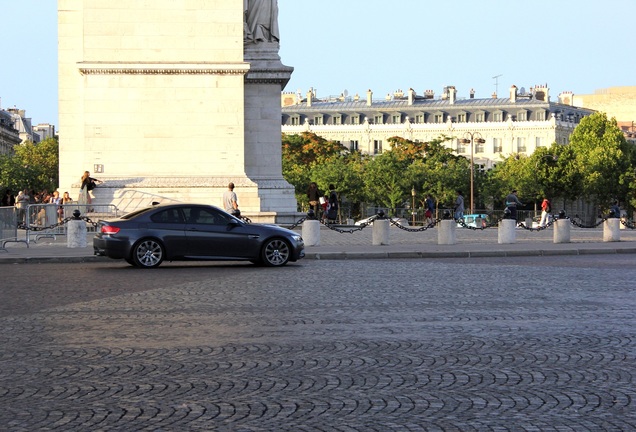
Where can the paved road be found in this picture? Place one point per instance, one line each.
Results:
(526, 343)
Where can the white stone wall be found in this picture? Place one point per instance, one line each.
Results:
(151, 89)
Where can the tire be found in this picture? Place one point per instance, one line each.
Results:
(148, 253)
(275, 252)
(130, 261)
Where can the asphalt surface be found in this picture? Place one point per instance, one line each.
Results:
(531, 336)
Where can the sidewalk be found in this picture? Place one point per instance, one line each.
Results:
(359, 245)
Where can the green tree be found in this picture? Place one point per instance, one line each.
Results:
(604, 159)
(31, 166)
(301, 154)
(443, 173)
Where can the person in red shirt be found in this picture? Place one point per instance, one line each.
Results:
(545, 212)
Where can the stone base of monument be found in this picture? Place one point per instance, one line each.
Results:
(611, 230)
(506, 233)
(380, 233)
(561, 231)
(76, 234)
(447, 234)
(311, 232)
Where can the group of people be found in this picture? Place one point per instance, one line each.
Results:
(327, 204)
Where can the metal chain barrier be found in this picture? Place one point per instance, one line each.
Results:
(576, 223)
(539, 228)
(423, 228)
(628, 224)
(50, 227)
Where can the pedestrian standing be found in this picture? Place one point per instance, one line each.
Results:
(429, 204)
(332, 212)
(230, 200)
(459, 206)
(512, 202)
(546, 208)
(313, 195)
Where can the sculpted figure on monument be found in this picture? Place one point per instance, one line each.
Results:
(261, 21)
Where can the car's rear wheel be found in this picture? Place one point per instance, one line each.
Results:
(130, 261)
(275, 252)
(148, 253)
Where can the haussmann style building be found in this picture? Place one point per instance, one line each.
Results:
(517, 124)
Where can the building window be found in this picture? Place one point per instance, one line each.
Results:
(498, 116)
(378, 119)
(377, 146)
(295, 121)
(522, 116)
(461, 118)
(419, 118)
(355, 119)
(353, 145)
(479, 117)
(496, 145)
(539, 115)
(318, 120)
(539, 142)
(439, 118)
(461, 148)
(397, 119)
(479, 147)
(337, 120)
(521, 145)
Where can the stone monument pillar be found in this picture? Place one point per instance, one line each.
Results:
(170, 101)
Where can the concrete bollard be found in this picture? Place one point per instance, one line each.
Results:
(76, 233)
(380, 232)
(611, 230)
(506, 233)
(311, 232)
(561, 232)
(447, 232)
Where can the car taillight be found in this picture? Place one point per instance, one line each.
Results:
(109, 229)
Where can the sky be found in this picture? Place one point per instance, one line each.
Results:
(355, 45)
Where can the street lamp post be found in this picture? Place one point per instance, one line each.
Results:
(413, 208)
(475, 137)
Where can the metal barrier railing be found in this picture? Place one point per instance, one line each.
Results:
(9, 227)
(45, 220)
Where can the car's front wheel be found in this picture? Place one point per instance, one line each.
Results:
(276, 252)
(148, 253)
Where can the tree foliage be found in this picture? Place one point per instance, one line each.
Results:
(604, 159)
(598, 164)
(31, 166)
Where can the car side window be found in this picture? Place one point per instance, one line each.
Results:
(198, 215)
(167, 216)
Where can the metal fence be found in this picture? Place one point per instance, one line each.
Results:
(46, 220)
(8, 226)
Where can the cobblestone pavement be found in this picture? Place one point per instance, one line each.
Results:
(507, 344)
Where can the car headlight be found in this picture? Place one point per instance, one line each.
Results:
(297, 238)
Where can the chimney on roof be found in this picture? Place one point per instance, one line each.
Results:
(494, 95)
(411, 96)
(542, 93)
(452, 94)
(310, 96)
(513, 93)
(566, 98)
(472, 93)
(369, 97)
(429, 94)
